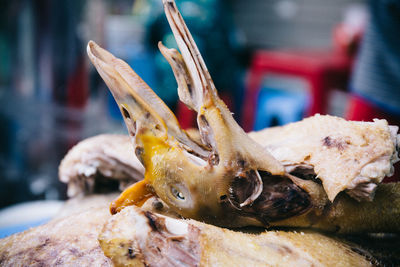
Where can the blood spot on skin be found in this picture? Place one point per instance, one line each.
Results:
(330, 142)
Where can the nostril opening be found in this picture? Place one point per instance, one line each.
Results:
(223, 197)
(139, 151)
(125, 113)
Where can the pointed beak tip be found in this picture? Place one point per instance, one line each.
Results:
(89, 45)
(89, 49)
(113, 208)
(96, 52)
(163, 49)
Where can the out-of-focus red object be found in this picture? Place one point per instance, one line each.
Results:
(360, 109)
(187, 118)
(322, 70)
(78, 85)
(77, 97)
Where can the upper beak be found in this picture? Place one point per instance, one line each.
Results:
(138, 105)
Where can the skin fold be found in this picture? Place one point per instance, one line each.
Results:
(227, 178)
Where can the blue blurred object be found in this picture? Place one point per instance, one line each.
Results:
(282, 99)
(143, 65)
(21, 217)
(13, 229)
(277, 107)
(125, 38)
(43, 94)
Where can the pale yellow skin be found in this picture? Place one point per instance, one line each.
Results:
(168, 165)
(162, 146)
(192, 177)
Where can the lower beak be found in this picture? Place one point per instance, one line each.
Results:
(136, 194)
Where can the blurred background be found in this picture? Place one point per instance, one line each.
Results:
(273, 62)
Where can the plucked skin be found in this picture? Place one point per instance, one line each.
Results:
(227, 178)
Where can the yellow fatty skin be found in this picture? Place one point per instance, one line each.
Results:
(138, 193)
(153, 148)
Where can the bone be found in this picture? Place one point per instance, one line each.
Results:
(256, 193)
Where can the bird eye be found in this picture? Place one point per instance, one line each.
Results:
(177, 194)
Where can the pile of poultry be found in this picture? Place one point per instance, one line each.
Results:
(305, 194)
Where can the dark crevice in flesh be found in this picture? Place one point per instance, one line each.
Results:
(206, 131)
(99, 184)
(207, 137)
(380, 249)
(305, 173)
(203, 154)
(125, 113)
(152, 220)
(131, 253)
(280, 198)
(213, 159)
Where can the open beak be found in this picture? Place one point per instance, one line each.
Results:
(149, 121)
(133, 96)
(226, 153)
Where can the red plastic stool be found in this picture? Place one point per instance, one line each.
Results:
(323, 71)
(185, 116)
(360, 109)
(188, 118)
